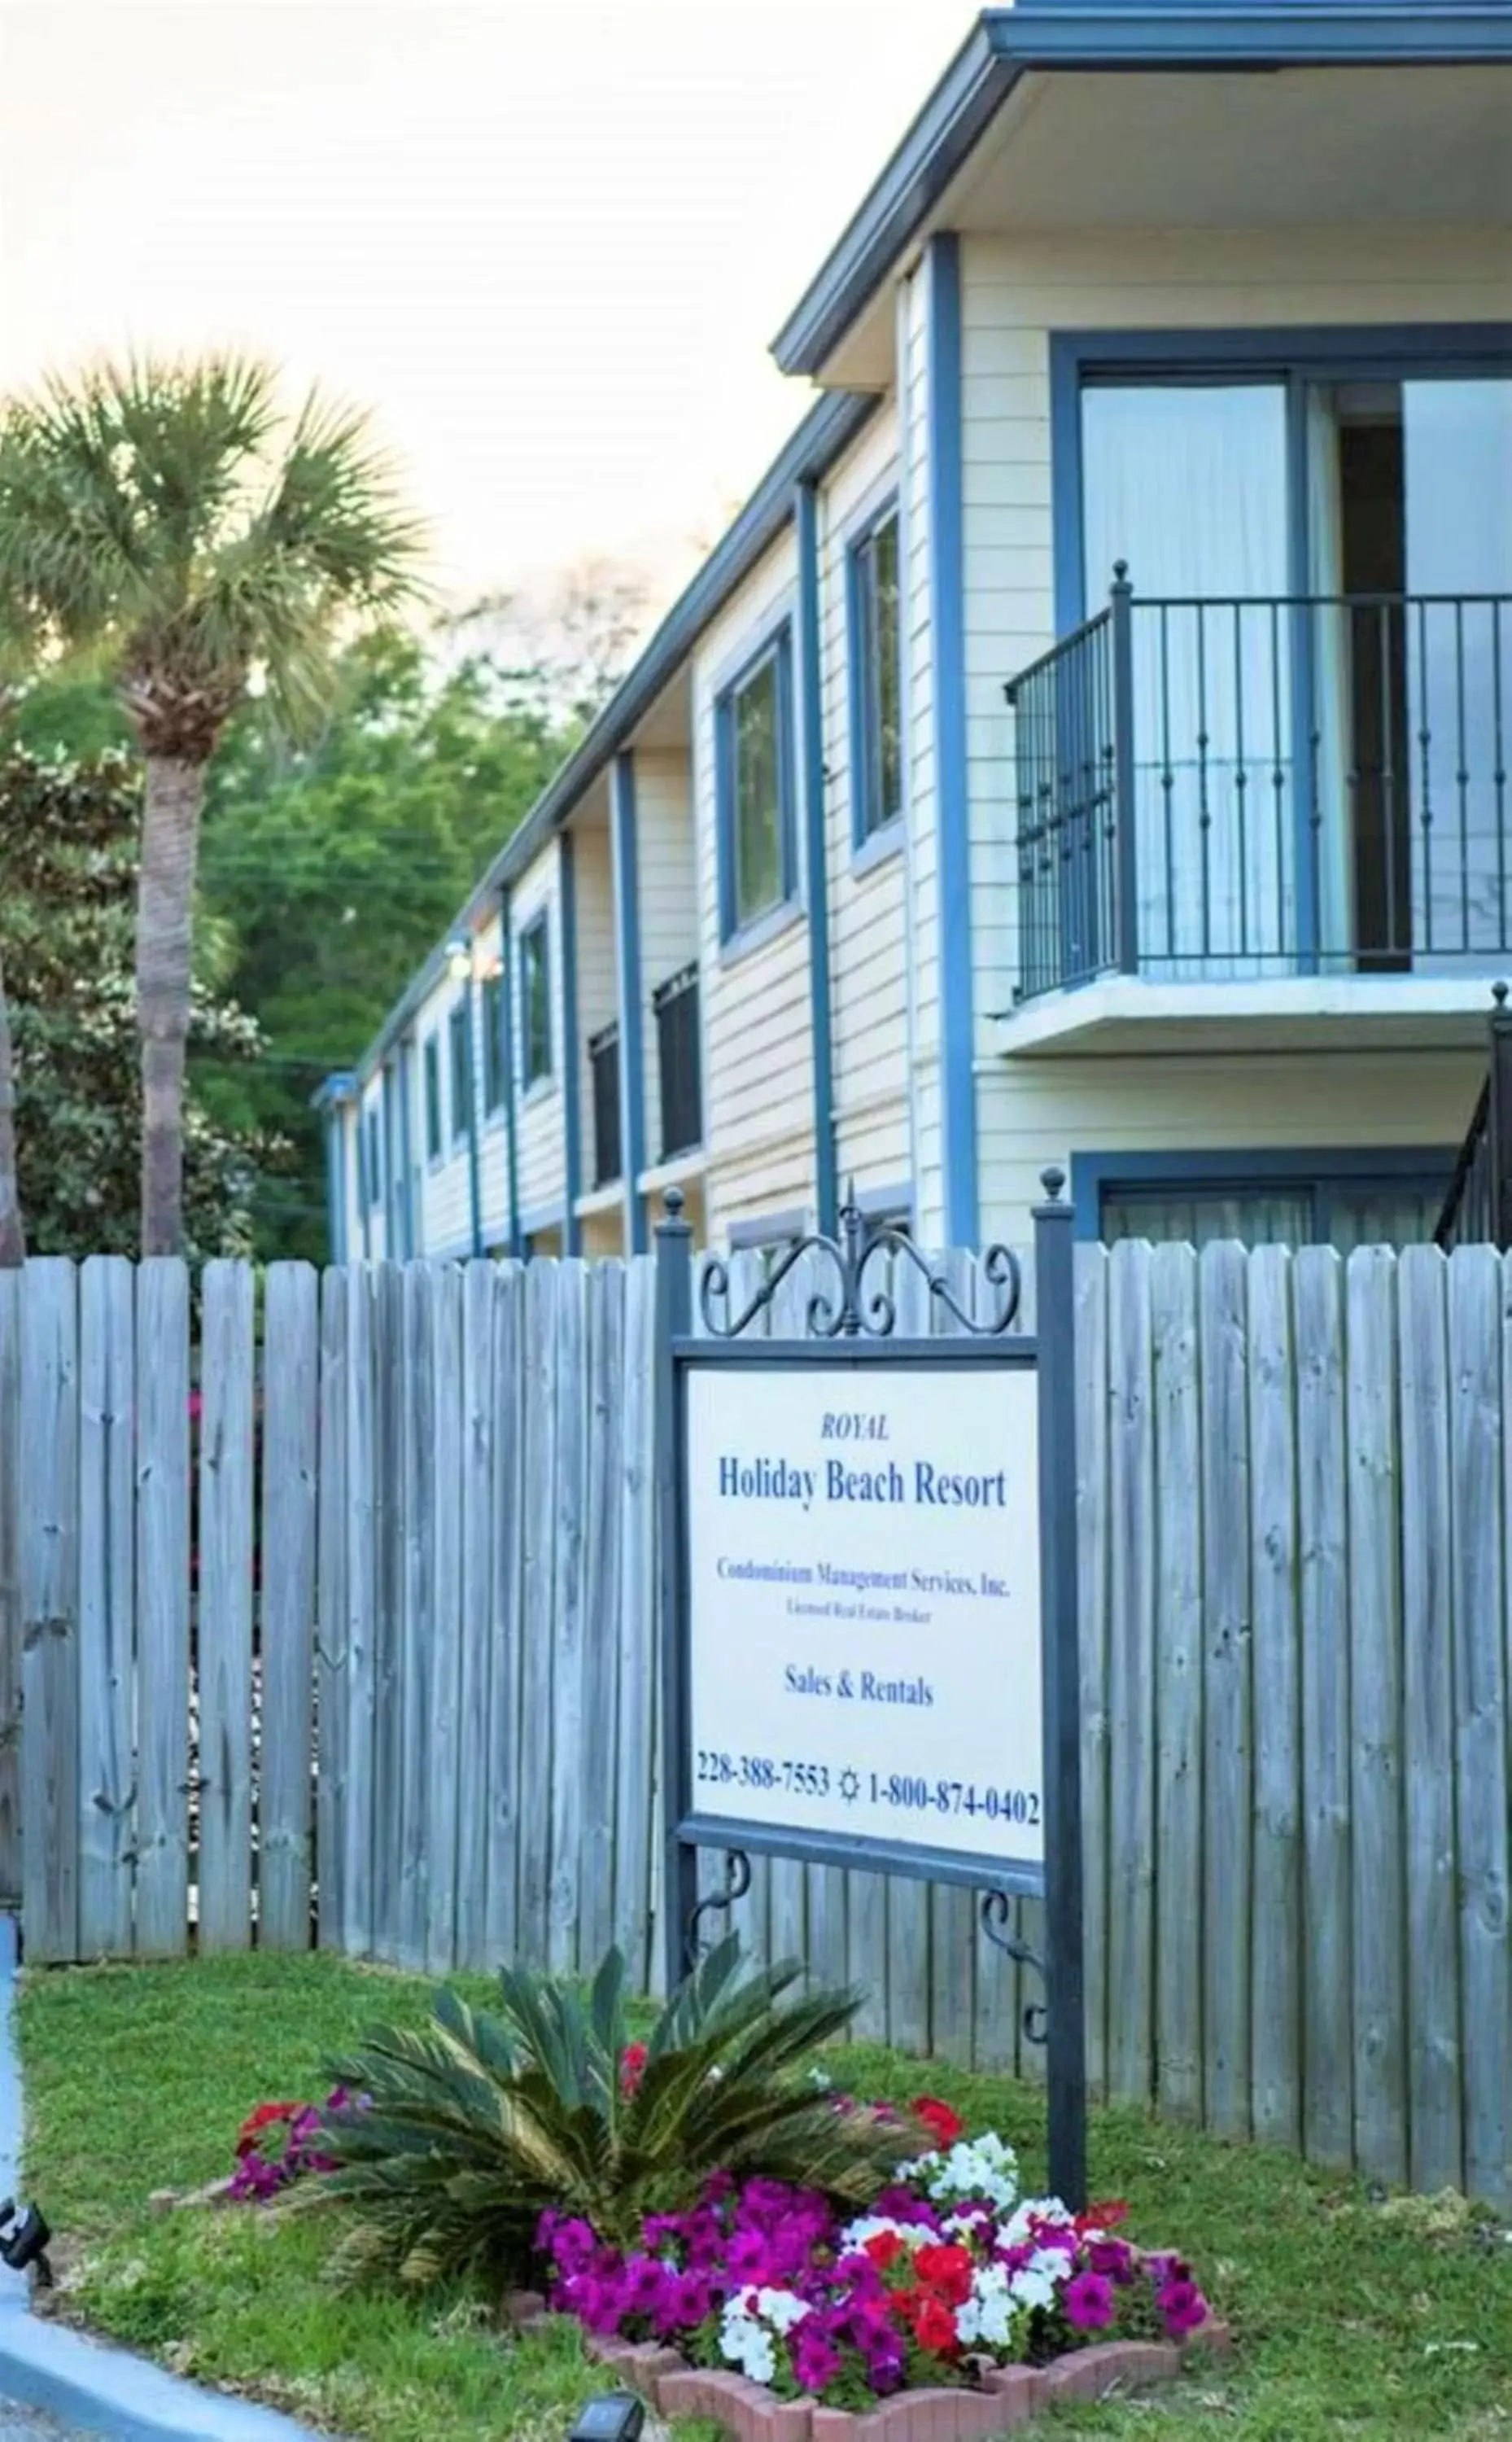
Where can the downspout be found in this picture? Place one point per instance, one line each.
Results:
(571, 1145)
(506, 1019)
(632, 1057)
(806, 510)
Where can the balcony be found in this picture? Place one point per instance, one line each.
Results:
(1278, 811)
(675, 1006)
(604, 1066)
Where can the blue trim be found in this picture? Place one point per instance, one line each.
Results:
(335, 1192)
(857, 690)
(626, 846)
(1095, 1175)
(952, 818)
(806, 519)
(475, 1202)
(776, 648)
(507, 998)
(571, 1081)
(430, 1095)
(408, 1200)
(1358, 352)
(364, 1184)
(1005, 44)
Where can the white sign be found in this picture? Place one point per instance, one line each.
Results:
(863, 1602)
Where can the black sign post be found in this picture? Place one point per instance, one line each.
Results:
(851, 1319)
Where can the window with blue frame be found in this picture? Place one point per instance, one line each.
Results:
(1277, 1199)
(534, 1002)
(433, 1123)
(374, 1160)
(493, 1011)
(460, 1049)
(876, 672)
(755, 789)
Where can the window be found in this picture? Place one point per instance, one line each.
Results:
(876, 664)
(534, 1002)
(459, 1048)
(754, 780)
(493, 1017)
(432, 1099)
(375, 1161)
(1363, 1201)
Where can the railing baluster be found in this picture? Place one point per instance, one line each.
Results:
(1424, 737)
(1499, 775)
(1240, 777)
(1168, 782)
(1204, 810)
(1461, 776)
(1278, 784)
(1124, 784)
(1387, 693)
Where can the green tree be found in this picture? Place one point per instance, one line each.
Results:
(68, 853)
(162, 522)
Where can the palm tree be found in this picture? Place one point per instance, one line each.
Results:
(166, 522)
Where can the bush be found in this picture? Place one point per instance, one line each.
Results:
(476, 2126)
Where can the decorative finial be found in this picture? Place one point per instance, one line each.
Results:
(1499, 993)
(672, 1203)
(1054, 1181)
(1121, 571)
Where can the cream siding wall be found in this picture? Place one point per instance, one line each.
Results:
(541, 1153)
(923, 899)
(867, 945)
(757, 1039)
(446, 1201)
(1014, 292)
(493, 1145)
(597, 966)
(668, 873)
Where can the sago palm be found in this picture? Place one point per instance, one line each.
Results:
(472, 2127)
(168, 522)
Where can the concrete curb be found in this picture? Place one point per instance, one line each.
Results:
(82, 2382)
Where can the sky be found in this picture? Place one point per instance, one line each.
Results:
(546, 242)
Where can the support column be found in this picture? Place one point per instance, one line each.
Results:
(623, 826)
(810, 691)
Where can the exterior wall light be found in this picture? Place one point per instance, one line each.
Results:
(459, 959)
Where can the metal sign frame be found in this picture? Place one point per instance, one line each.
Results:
(850, 1328)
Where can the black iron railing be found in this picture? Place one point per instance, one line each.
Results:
(1266, 787)
(675, 1006)
(1477, 1208)
(604, 1063)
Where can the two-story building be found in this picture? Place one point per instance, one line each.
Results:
(1092, 741)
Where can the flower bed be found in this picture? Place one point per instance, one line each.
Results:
(954, 2307)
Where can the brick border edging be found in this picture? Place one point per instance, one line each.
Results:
(1009, 2397)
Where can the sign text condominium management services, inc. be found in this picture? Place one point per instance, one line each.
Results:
(864, 1603)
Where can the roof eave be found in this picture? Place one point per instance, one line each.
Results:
(1005, 44)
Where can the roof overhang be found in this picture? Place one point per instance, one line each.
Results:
(1040, 37)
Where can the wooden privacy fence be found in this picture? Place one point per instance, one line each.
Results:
(378, 1626)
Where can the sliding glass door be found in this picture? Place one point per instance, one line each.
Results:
(1187, 485)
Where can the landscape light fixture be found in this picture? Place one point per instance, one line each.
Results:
(618, 2416)
(26, 2243)
(459, 959)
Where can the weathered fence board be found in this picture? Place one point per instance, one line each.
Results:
(425, 1696)
(290, 1459)
(10, 1289)
(223, 1628)
(48, 1465)
(107, 1593)
(163, 1547)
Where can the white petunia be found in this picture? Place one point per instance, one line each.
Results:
(856, 2233)
(781, 2308)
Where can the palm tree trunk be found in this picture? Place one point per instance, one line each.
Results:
(12, 1235)
(165, 918)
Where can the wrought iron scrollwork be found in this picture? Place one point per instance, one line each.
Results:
(855, 1307)
(996, 1916)
(737, 1884)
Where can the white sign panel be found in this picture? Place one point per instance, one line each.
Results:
(863, 1602)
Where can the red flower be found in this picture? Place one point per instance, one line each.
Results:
(943, 2124)
(934, 2325)
(1103, 2216)
(632, 2068)
(268, 2115)
(883, 2247)
(946, 2270)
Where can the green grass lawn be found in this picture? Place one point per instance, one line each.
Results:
(1352, 2319)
